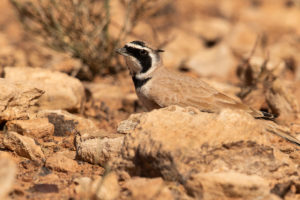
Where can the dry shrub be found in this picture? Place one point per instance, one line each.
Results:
(81, 27)
(265, 89)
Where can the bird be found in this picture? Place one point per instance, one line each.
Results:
(157, 86)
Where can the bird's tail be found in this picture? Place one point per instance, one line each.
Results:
(262, 115)
(282, 132)
(268, 116)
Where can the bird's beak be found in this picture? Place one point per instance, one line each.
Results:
(121, 51)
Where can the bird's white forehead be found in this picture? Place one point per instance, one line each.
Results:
(136, 46)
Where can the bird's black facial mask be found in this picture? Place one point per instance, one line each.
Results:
(142, 56)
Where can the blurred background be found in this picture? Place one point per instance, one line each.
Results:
(248, 49)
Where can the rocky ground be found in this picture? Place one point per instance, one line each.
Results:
(63, 138)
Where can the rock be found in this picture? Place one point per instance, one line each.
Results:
(281, 189)
(61, 163)
(272, 16)
(185, 141)
(228, 185)
(106, 187)
(180, 49)
(45, 188)
(98, 147)
(106, 99)
(63, 63)
(8, 171)
(216, 62)
(210, 29)
(284, 51)
(242, 39)
(65, 123)
(128, 125)
(24, 146)
(36, 128)
(156, 189)
(111, 95)
(16, 99)
(83, 187)
(2, 146)
(61, 90)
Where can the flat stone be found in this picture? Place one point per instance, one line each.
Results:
(61, 90)
(36, 128)
(24, 146)
(98, 147)
(65, 123)
(61, 163)
(16, 99)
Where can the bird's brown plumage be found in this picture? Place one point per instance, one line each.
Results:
(170, 88)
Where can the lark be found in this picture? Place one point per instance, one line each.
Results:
(158, 87)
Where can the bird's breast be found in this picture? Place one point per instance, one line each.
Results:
(147, 102)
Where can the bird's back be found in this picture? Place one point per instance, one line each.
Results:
(171, 88)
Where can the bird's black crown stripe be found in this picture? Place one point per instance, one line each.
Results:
(139, 43)
(138, 83)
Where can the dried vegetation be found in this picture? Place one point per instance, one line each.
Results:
(82, 28)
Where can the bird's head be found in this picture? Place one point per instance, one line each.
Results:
(140, 58)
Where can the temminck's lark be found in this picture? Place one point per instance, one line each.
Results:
(158, 87)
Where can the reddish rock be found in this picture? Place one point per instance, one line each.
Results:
(214, 62)
(61, 163)
(185, 141)
(24, 146)
(98, 147)
(16, 99)
(36, 128)
(61, 90)
(65, 123)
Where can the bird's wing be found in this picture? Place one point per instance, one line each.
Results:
(176, 89)
(280, 131)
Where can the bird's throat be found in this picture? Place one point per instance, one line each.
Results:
(138, 83)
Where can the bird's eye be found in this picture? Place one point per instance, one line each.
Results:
(143, 52)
